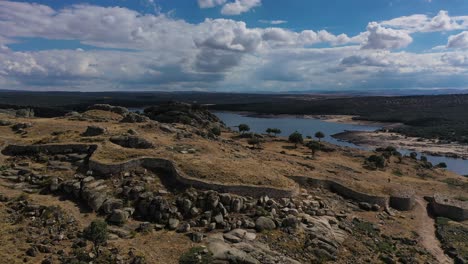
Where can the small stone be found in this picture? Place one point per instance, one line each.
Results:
(173, 223)
(183, 228)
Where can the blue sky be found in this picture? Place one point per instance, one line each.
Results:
(234, 45)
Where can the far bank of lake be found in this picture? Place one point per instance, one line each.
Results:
(308, 126)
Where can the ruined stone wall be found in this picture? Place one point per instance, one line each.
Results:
(183, 180)
(49, 148)
(341, 190)
(443, 206)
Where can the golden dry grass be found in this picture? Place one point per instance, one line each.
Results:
(233, 161)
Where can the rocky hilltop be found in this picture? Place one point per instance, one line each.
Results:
(176, 112)
(111, 186)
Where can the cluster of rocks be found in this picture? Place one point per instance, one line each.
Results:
(92, 131)
(106, 107)
(131, 141)
(24, 112)
(134, 118)
(197, 212)
(20, 128)
(175, 112)
(47, 227)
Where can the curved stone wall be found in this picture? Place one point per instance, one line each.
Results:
(341, 190)
(181, 179)
(446, 207)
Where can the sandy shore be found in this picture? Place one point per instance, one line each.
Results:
(384, 139)
(350, 119)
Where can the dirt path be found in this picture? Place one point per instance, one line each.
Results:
(427, 231)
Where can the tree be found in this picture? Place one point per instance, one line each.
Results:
(243, 128)
(296, 138)
(96, 232)
(276, 131)
(314, 146)
(254, 141)
(378, 161)
(269, 131)
(319, 135)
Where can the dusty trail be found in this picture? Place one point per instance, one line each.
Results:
(427, 231)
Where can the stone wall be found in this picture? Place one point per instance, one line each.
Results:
(181, 179)
(53, 149)
(446, 207)
(341, 190)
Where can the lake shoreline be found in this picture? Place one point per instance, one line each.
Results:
(426, 146)
(342, 119)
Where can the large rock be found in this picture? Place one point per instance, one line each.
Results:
(239, 235)
(131, 142)
(93, 131)
(134, 118)
(21, 126)
(264, 223)
(118, 217)
(110, 205)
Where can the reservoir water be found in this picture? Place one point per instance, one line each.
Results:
(308, 127)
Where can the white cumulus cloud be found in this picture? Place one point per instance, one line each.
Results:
(380, 37)
(239, 6)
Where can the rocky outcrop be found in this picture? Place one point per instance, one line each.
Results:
(25, 113)
(105, 107)
(134, 118)
(93, 131)
(175, 112)
(447, 207)
(131, 141)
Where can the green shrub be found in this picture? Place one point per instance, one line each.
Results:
(96, 232)
(378, 161)
(243, 128)
(296, 138)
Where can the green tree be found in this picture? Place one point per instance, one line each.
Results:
(296, 138)
(314, 146)
(243, 128)
(276, 131)
(96, 232)
(319, 135)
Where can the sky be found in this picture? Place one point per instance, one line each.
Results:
(234, 45)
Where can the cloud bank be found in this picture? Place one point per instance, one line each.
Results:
(158, 52)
